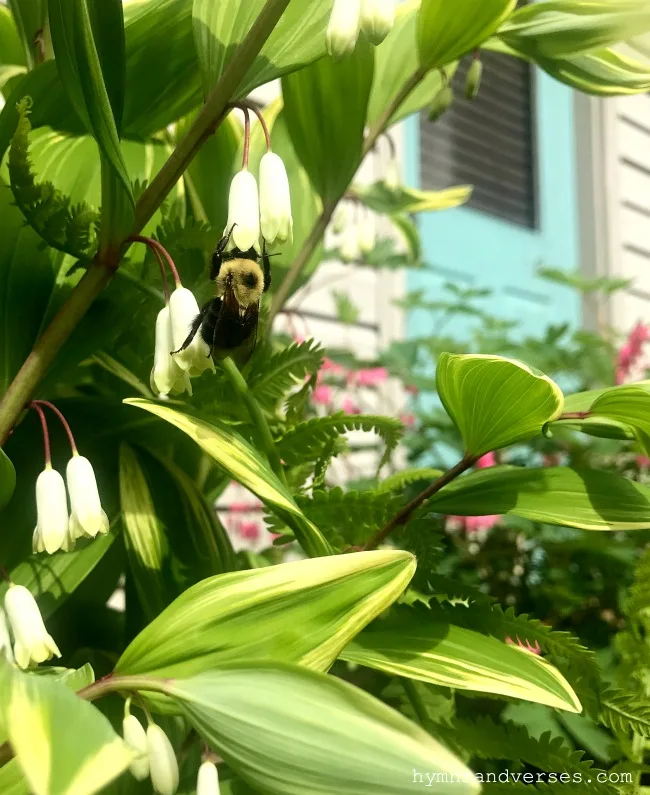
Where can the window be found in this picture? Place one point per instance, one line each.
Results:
(488, 143)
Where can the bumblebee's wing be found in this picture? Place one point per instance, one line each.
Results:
(243, 353)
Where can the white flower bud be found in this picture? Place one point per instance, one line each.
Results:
(377, 19)
(341, 217)
(350, 250)
(5, 638)
(275, 200)
(183, 309)
(32, 643)
(166, 375)
(243, 213)
(86, 514)
(51, 531)
(207, 782)
(343, 28)
(163, 766)
(367, 233)
(136, 737)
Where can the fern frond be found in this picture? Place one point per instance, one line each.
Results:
(639, 597)
(296, 404)
(308, 440)
(399, 480)
(486, 739)
(64, 226)
(273, 377)
(625, 712)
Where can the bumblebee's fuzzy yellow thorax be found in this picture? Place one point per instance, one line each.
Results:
(246, 278)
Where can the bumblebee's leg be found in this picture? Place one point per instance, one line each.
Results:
(217, 256)
(196, 325)
(266, 266)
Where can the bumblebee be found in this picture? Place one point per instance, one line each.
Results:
(228, 322)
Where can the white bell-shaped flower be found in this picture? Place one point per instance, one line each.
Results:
(86, 515)
(5, 638)
(343, 28)
(377, 19)
(275, 200)
(243, 213)
(166, 374)
(350, 249)
(207, 782)
(51, 533)
(32, 642)
(183, 309)
(136, 737)
(341, 217)
(163, 767)
(393, 175)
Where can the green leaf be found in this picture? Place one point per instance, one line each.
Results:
(260, 719)
(495, 402)
(382, 199)
(11, 41)
(52, 578)
(7, 479)
(603, 73)
(26, 281)
(297, 40)
(29, 17)
(395, 61)
(564, 28)
(303, 612)
(325, 110)
(12, 781)
(146, 545)
(446, 33)
(310, 439)
(82, 73)
(627, 405)
(236, 456)
(34, 710)
(413, 645)
(585, 498)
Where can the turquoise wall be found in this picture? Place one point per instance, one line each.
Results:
(483, 251)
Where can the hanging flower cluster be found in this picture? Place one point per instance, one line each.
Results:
(156, 758)
(375, 18)
(355, 227)
(21, 618)
(56, 528)
(266, 214)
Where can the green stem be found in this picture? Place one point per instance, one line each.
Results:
(404, 515)
(215, 107)
(416, 701)
(113, 683)
(49, 344)
(100, 272)
(318, 230)
(259, 420)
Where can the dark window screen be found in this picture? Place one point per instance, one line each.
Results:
(488, 143)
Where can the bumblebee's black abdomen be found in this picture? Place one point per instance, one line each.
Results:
(225, 331)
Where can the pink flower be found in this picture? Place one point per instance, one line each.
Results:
(249, 530)
(474, 524)
(349, 406)
(487, 460)
(239, 507)
(412, 390)
(536, 649)
(630, 352)
(372, 377)
(333, 368)
(322, 395)
(407, 419)
(643, 461)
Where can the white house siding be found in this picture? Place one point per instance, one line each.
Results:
(617, 196)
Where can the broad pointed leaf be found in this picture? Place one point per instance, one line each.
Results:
(627, 405)
(298, 612)
(585, 498)
(447, 32)
(288, 731)
(7, 479)
(413, 645)
(382, 199)
(34, 709)
(236, 456)
(495, 402)
(325, 111)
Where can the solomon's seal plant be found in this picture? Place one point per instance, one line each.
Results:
(344, 657)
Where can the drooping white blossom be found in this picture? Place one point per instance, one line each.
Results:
(163, 767)
(87, 518)
(275, 200)
(377, 19)
(32, 642)
(343, 28)
(51, 532)
(243, 213)
(183, 309)
(167, 375)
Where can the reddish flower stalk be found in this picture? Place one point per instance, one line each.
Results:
(46, 435)
(158, 249)
(38, 403)
(247, 137)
